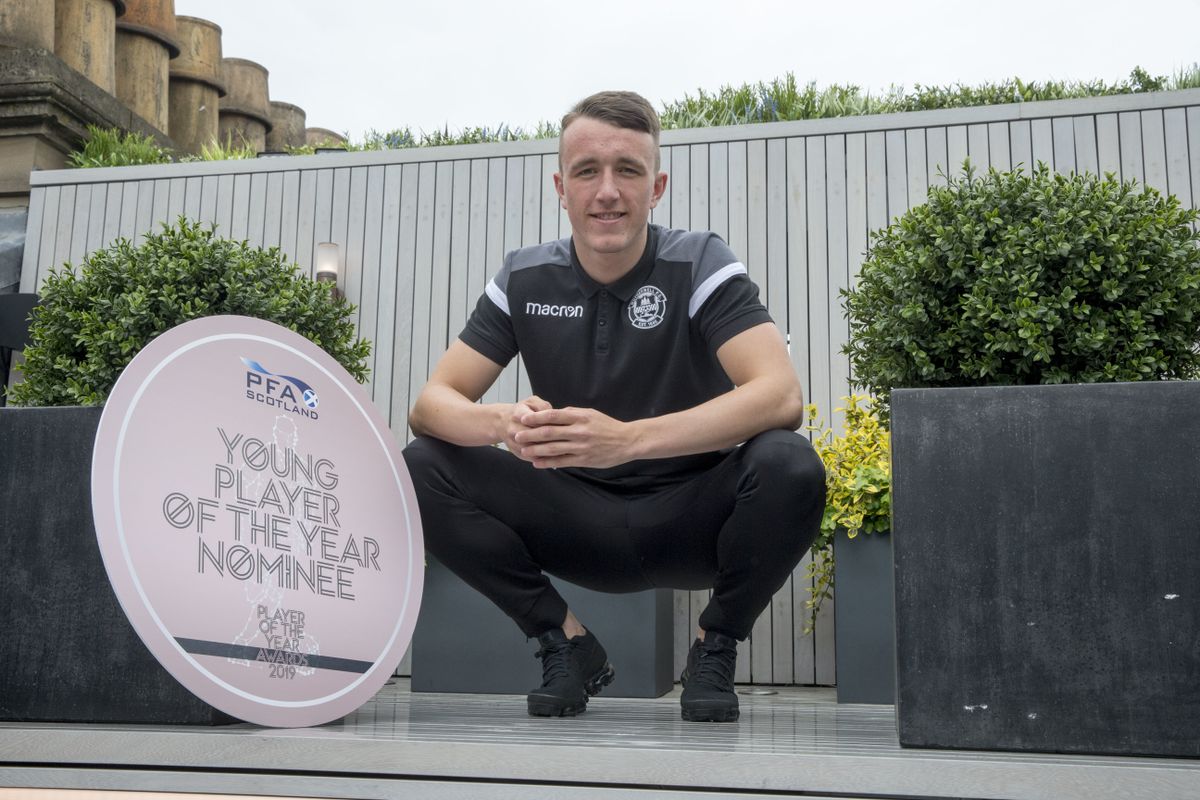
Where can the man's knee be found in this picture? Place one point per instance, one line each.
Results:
(787, 460)
(431, 465)
(789, 481)
(419, 452)
(428, 461)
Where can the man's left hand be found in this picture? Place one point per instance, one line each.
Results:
(575, 437)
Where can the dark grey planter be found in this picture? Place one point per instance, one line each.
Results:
(864, 619)
(463, 643)
(1047, 568)
(67, 651)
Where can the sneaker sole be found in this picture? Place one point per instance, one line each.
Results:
(550, 708)
(546, 706)
(710, 714)
(601, 679)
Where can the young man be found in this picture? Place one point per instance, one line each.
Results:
(651, 359)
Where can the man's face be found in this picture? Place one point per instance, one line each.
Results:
(608, 184)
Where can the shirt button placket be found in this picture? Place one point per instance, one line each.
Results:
(602, 314)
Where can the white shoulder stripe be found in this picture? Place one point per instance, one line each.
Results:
(704, 290)
(498, 297)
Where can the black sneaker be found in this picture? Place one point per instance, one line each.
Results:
(572, 670)
(708, 680)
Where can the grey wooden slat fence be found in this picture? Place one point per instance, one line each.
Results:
(421, 231)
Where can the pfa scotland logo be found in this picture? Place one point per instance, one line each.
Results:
(265, 387)
(647, 308)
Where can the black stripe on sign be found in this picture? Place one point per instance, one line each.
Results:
(201, 647)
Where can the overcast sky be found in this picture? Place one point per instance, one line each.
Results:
(384, 64)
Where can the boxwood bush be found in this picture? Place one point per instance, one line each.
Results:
(1012, 278)
(91, 324)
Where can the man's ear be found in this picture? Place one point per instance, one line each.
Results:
(558, 187)
(660, 186)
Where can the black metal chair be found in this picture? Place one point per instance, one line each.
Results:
(14, 332)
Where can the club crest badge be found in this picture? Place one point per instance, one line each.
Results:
(647, 308)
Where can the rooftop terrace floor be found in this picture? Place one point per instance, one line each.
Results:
(798, 742)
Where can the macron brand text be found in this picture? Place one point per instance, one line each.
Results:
(549, 310)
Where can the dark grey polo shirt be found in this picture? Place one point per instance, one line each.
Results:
(640, 347)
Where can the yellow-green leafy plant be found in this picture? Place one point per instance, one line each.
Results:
(858, 476)
(228, 150)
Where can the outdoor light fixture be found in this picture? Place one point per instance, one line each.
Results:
(327, 265)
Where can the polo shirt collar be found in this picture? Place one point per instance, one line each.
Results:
(625, 286)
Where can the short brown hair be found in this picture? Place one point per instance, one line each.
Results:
(622, 109)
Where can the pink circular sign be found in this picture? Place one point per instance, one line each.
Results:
(257, 521)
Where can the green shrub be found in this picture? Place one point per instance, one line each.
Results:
(1011, 278)
(780, 100)
(784, 99)
(403, 138)
(109, 147)
(90, 325)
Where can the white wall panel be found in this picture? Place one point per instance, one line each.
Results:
(352, 259)
(31, 263)
(368, 311)
(1042, 134)
(1020, 141)
(1154, 154)
(999, 146)
(1129, 127)
(410, 318)
(1063, 133)
(1179, 181)
(1084, 129)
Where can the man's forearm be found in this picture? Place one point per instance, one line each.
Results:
(726, 420)
(445, 414)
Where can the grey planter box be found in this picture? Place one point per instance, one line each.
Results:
(1048, 568)
(463, 643)
(864, 619)
(67, 652)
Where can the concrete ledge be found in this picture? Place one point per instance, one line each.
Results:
(45, 108)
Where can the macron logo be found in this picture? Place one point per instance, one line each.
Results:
(548, 310)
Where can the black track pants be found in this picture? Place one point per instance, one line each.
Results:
(739, 528)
